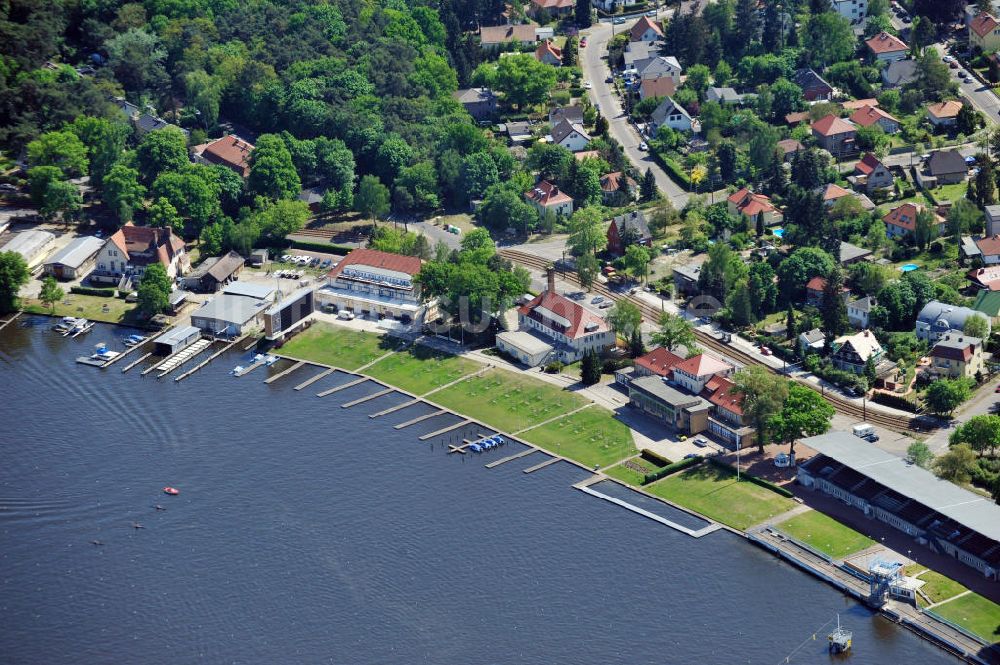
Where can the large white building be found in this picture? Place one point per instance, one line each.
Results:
(368, 282)
(853, 10)
(33, 246)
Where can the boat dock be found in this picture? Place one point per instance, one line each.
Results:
(394, 409)
(461, 423)
(272, 379)
(207, 360)
(367, 398)
(4, 324)
(251, 367)
(309, 382)
(420, 419)
(511, 458)
(342, 386)
(134, 362)
(542, 465)
(176, 360)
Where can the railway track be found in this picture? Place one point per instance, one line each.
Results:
(899, 423)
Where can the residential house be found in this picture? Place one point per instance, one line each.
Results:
(518, 132)
(661, 86)
(992, 219)
(902, 221)
(850, 254)
(814, 87)
(899, 73)
(215, 272)
(683, 411)
(545, 196)
(612, 5)
(618, 189)
(832, 193)
(368, 282)
(571, 114)
(789, 147)
(859, 311)
(984, 33)
(957, 355)
(75, 259)
(988, 304)
(947, 167)
(835, 135)
(853, 105)
(694, 372)
(230, 151)
(989, 249)
(645, 30)
(723, 96)
(813, 340)
(553, 7)
(686, 279)
(885, 47)
(661, 65)
(726, 420)
(549, 54)
(131, 249)
(871, 174)
(481, 103)
(866, 116)
(658, 362)
(985, 279)
(670, 114)
(852, 352)
(944, 114)
(937, 318)
(746, 203)
(798, 117)
(639, 52)
(814, 291)
(854, 11)
(628, 229)
(571, 136)
(491, 38)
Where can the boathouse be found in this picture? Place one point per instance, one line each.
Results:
(176, 339)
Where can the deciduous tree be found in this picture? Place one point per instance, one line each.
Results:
(50, 293)
(803, 413)
(13, 275)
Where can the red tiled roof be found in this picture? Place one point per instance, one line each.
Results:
(499, 34)
(703, 365)
(833, 191)
(988, 277)
(817, 283)
(231, 151)
(546, 194)
(883, 42)
(587, 154)
(659, 361)
(725, 397)
(989, 246)
(577, 316)
(866, 116)
(947, 109)
(789, 146)
(796, 118)
(148, 241)
(910, 211)
(983, 24)
(641, 26)
(751, 204)
(855, 104)
(867, 164)
(611, 182)
(374, 258)
(553, 4)
(661, 86)
(547, 47)
(830, 125)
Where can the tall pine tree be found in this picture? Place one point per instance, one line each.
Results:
(647, 190)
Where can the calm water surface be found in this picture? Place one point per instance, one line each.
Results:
(308, 533)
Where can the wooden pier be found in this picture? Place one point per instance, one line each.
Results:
(207, 360)
(181, 357)
(126, 352)
(420, 419)
(134, 362)
(504, 460)
(393, 409)
(342, 387)
(368, 398)
(309, 382)
(252, 344)
(251, 367)
(272, 379)
(4, 324)
(551, 460)
(445, 430)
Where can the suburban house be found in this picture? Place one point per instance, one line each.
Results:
(854, 11)
(368, 282)
(618, 189)
(571, 114)
(902, 220)
(850, 254)
(131, 249)
(814, 291)
(859, 311)
(661, 86)
(661, 65)
(944, 114)
(866, 116)
(795, 118)
(571, 136)
(724, 96)
(551, 327)
(553, 7)
(694, 372)
(947, 167)
(545, 196)
(33, 245)
(814, 87)
(957, 355)
(612, 5)
(811, 339)
(491, 38)
(984, 33)
(230, 151)
(481, 103)
(832, 193)
(670, 114)
(899, 73)
(686, 279)
(989, 249)
(886, 48)
(834, 134)
(853, 105)
(937, 318)
(852, 352)
(789, 147)
(549, 54)
(628, 229)
(639, 52)
(986, 279)
(871, 174)
(645, 30)
(75, 259)
(746, 203)
(518, 132)
(214, 273)
(658, 362)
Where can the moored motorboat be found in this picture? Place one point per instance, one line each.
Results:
(172, 491)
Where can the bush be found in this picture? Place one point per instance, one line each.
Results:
(92, 291)
(328, 247)
(673, 169)
(554, 367)
(895, 401)
(655, 458)
(671, 468)
(612, 365)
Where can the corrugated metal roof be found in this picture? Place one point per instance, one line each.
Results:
(77, 252)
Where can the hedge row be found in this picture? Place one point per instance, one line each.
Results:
(671, 468)
(92, 291)
(674, 170)
(895, 401)
(654, 457)
(754, 479)
(328, 247)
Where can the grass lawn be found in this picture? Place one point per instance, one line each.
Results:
(825, 534)
(89, 307)
(974, 613)
(714, 492)
(420, 370)
(591, 436)
(507, 400)
(936, 586)
(629, 475)
(950, 192)
(334, 345)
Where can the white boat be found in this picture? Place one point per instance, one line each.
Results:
(65, 324)
(81, 326)
(236, 371)
(270, 360)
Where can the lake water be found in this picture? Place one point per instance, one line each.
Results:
(308, 533)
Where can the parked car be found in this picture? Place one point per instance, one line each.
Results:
(871, 438)
(596, 299)
(952, 64)
(345, 315)
(701, 442)
(782, 460)
(588, 85)
(606, 304)
(643, 146)
(764, 351)
(947, 58)
(610, 79)
(583, 43)
(997, 390)
(619, 20)
(690, 456)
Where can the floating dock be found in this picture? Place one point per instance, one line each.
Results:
(420, 419)
(272, 379)
(341, 387)
(173, 362)
(309, 382)
(445, 430)
(367, 398)
(394, 409)
(251, 367)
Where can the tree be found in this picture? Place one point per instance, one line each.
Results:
(524, 80)
(945, 395)
(13, 275)
(586, 232)
(504, 208)
(956, 465)
(968, 120)
(647, 188)
(832, 307)
(923, 228)
(281, 218)
(137, 58)
(830, 39)
(802, 265)
(590, 368)
(763, 394)
(163, 214)
(154, 290)
(416, 187)
(977, 326)
(637, 260)
(62, 149)
(803, 413)
(675, 331)
(122, 191)
(790, 322)
(105, 141)
(727, 156)
(923, 33)
(194, 194)
(980, 433)
(587, 268)
(160, 151)
(918, 453)
(739, 306)
(272, 173)
(584, 14)
(625, 319)
(39, 179)
(62, 198)
(51, 293)
(479, 173)
(372, 199)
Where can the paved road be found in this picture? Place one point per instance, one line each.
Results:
(980, 95)
(595, 69)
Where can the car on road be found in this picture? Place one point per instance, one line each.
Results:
(701, 442)
(997, 390)
(651, 12)
(596, 299)
(764, 351)
(588, 85)
(610, 79)
(619, 20)
(576, 295)
(606, 304)
(871, 438)
(643, 146)
(691, 456)
(583, 43)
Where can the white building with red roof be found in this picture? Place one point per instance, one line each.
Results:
(834, 134)
(984, 32)
(645, 30)
(694, 372)
(131, 249)
(871, 174)
(726, 421)
(902, 221)
(885, 47)
(229, 151)
(374, 284)
(867, 116)
(750, 205)
(547, 196)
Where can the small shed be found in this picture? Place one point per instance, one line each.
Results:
(215, 272)
(176, 339)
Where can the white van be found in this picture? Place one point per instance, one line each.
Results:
(345, 315)
(862, 430)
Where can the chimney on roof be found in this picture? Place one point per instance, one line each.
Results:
(550, 275)
(555, 190)
(866, 333)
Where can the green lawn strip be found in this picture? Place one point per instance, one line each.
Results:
(825, 534)
(506, 400)
(714, 492)
(951, 192)
(592, 436)
(332, 345)
(936, 586)
(974, 613)
(420, 370)
(89, 307)
(628, 475)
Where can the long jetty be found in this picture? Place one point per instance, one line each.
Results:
(342, 386)
(310, 381)
(135, 362)
(420, 419)
(542, 465)
(447, 429)
(511, 458)
(272, 379)
(4, 324)
(208, 360)
(368, 398)
(394, 409)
